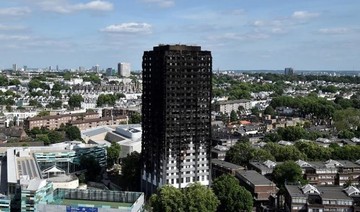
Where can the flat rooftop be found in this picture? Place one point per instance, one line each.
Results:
(253, 177)
(225, 164)
(80, 202)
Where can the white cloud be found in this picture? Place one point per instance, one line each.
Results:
(14, 11)
(341, 30)
(63, 6)
(11, 28)
(161, 3)
(241, 37)
(128, 28)
(14, 37)
(259, 23)
(304, 15)
(278, 30)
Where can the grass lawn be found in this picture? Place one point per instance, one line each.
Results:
(95, 203)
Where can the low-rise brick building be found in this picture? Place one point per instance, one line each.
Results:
(55, 121)
(263, 190)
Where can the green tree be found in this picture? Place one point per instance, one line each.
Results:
(113, 153)
(120, 95)
(167, 199)
(284, 153)
(92, 167)
(55, 136)
(95, 79)
(272, 137)
(35, 131)
(287, 172)
(33, 84)
(313, 151)
(9, 93)
(242, 153)
(255, 111)
(135, 118)
(233, 116)
(56, 94)
(199, 198)
(73, 133)
(67, 76)
(75, 100)
(269, 111)
(130, 170)
(3, 80)
(43, 113)
(232, 196)
(57, 86)
(35, 103)
(14, 82)
(347, 119)
(346, 134)
(56, 104)
(9, 108)
(43, 138)
(105, 99)
(292, 133)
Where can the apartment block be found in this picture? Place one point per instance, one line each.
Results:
(55, 121)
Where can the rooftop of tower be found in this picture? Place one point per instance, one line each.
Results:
(176, 47)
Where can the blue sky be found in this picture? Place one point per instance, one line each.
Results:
(241, 34)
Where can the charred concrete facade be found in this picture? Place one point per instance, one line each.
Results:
(176, 116)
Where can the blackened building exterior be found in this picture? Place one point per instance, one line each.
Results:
(176, 116)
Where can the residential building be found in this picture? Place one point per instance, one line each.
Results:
(84, 124)
(13, 133)
(318, 198)
(220, 167)
(219, 152)
(124, 69)
(55, 121)
(176, 116)
(81, 120)
(330, 172)
(265, 168)
(232, 105)
(262, 189)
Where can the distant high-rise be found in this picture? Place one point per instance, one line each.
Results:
(176, 116)
(14, 67)
(289, 71)
(124, 69)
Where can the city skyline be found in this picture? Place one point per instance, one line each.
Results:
(305, 35)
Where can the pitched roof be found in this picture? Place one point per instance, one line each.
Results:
(352, 190)
(309, 189)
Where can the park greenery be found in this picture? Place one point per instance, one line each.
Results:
(195, 197)
(113, 154)
(92, 167)
(108, 99)
(242, 152)
(55, 136)
(75, 101)
(135, 118)
(131, 175)
(93, 78)
(287, 173)
(231, 195)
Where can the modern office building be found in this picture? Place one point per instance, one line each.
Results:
(124, 69)
(176, 116)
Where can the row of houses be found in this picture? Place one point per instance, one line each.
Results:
(81, 120)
